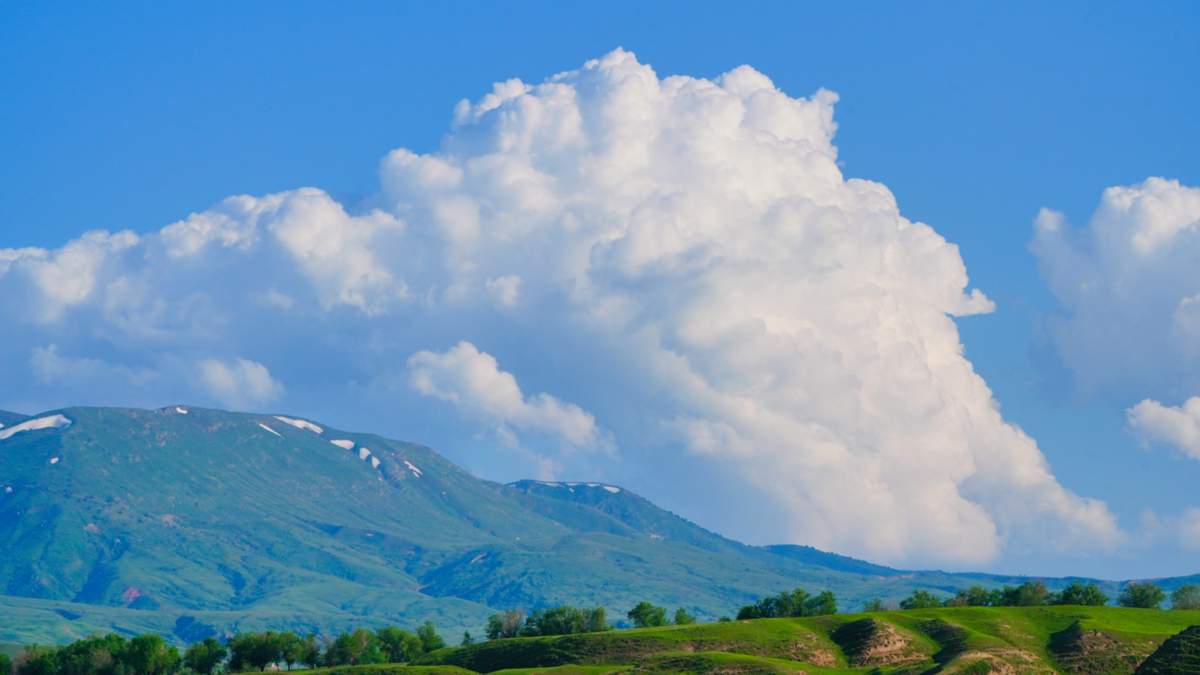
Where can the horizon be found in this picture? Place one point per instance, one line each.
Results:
(877, 280)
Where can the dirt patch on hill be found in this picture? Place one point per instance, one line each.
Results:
(1179, 654)
(1082, 651)
(869, 643)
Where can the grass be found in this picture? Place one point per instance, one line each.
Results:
(950, 640)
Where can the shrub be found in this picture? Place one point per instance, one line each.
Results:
(682, 618)
(794, 603)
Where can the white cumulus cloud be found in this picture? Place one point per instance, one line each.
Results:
(1129, 288)
(682, 257)
(1175, 426)
(473, 381)
(239, 382)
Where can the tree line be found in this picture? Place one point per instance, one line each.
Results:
(150, 654)
(1144, 595)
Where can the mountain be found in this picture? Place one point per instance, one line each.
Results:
(192, 521)
(10, 418)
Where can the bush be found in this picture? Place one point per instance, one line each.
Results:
(1145, 595)
(682, 618)
(975, 596)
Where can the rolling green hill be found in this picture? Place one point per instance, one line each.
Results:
(947, 640)
(192, 522)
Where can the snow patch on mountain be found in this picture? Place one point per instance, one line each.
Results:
(300, 424)
(363, 453)
(270, 429)
(48, 422)
(612, 489)
(343, 444)
(181, 410)
(415, 471)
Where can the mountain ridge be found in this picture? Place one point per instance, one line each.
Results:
(246, 520)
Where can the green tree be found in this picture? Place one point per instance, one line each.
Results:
(253, 650)
(150, 655)
(1079, 594)
(399, 646)
(467, 639)
(821, 604)
(5, 664)
(975, 596)
(505, 625)
(291, 648)
(310, 655)
(355, 649)
(92, 656)
(1145, 595)
(874, 605)
(428, 635)
(1184, 597)
(1028, 594)
(644, 615)
(682, 618)
(37, 660)
(204, 657)
(920, 600)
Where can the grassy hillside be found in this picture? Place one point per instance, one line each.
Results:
(950, 640)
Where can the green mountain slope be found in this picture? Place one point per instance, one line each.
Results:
(191, 521)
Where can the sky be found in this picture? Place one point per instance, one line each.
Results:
(915, 282)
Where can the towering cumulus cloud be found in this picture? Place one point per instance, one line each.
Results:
(681, 259)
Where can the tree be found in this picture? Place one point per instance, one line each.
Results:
(204, 657)
(920, 600)
(821, 604)
(682, 618)
(874, 605)
(291, 648)
(467, 639)
(428, 635)
(975, 596)
(92, 655)
(310, 653)
(253, 650)
(1078, 594)
(151, 655)
(355, 649)
(505, 625)
(37, 660)
(399, 646)
(1184, 597)
(645, 615)
(5, 664)
(1145, 595)
(1028, 594)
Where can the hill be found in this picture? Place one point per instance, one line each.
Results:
(950, 640)
(192, 522)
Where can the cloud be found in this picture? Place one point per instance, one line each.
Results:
(1128, 288)
(473, 381)
(1175, 426)
(680, 257)
(239, 382)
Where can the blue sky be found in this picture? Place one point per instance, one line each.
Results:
(974, 115)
